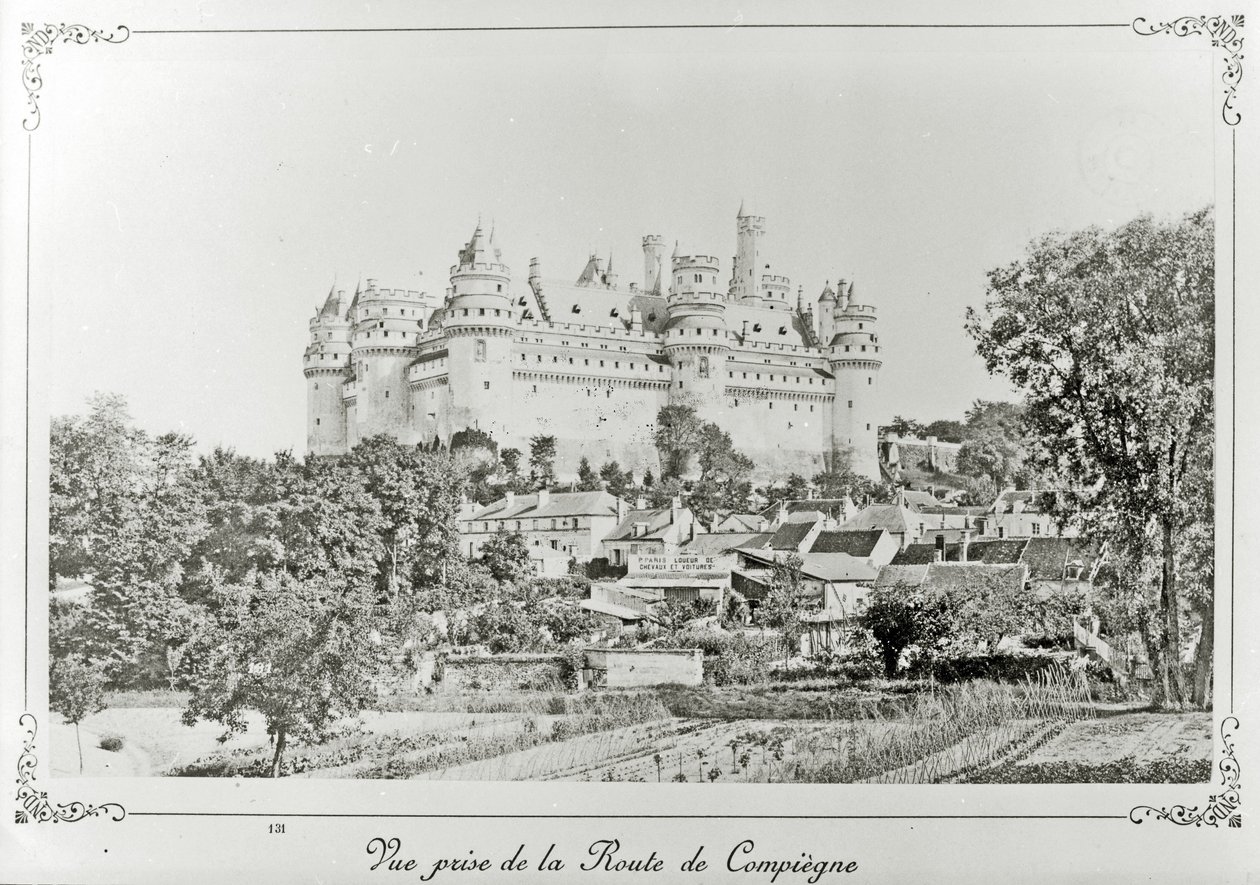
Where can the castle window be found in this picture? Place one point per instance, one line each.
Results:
(465, 311)
(601, 364)
(499, 288)
(540, 357)
(870, 380)
(485, 385)
(863, 348)
(811, 407)
(850, 404)
(570, 361)
(680, 385)
(386, 333)
(387, 394)
(481, 311)
(868, 427)
(617, 364)
(555, 359)
(794, 407)
(535, 388)
(772, 404)
(859, 326)
(522, 357)
(586, 362)
(316, 422)
(479, 350)
(496, 311)
(317, 385)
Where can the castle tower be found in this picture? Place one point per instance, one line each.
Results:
(387, 324)
(854, 357)
(695, 337)
(653, 264)
(479, 322)
(326, 365)
(748, 266)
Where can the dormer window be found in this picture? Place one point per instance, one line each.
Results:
(782, 330)
(757, 327)
(652, 317)
(577, 308)
(613, 312)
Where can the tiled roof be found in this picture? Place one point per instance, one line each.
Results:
(790, 535)
(891, 517)
(1047, 558)
(914, 554)
(822, 566)
(756, 542)
(890, 575)
(714, 543)
(856, 543)
(964, 575)
(992, 552)
(559, 504)
(748, 520)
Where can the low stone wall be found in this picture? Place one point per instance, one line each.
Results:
(500, 673)
(626, 668)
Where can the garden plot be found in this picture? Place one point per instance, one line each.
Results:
(1144, 737)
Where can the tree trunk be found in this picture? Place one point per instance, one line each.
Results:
(1202, 696)
(278, 758)
(78, 740)
(1176, 688)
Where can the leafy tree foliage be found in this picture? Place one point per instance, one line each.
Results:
(1110, 337)
(677, 437)
(506, 556)
(905, 426)
(587, 479)
(542, 461)
(784, 606)
(902, 615)
(297, 651)
(618, 482)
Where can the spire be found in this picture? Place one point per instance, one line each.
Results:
(828, 294)
(332, 304)
(740, 213)
(675, 255)
(609, 270)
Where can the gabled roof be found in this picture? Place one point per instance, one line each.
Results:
(901, 574)
(756, 542)
(991, 552)
(748, 520)
(657, 521)
(858, 543)
(559, 504)
(891, 518)
(963, 575)
(820, 566)
(790, 535)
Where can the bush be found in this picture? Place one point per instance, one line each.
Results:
(999, 667)
(111, 742)
(574, 586)
(600, 567)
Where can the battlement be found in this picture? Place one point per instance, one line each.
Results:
(864, 309)
(705, 262)
(654, 240)
(490, 267)
(690, 297)
(406, 294)
(770, 279)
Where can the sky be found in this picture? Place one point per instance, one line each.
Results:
(193, 199)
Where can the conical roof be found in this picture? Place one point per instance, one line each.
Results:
(828, 293)
(332, 304)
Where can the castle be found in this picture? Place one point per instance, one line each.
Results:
(592, 362)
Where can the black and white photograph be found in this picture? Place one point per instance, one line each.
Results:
(685, 414)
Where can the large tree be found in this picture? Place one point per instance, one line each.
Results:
(299, 652)
(1109, 334)
(677, 435)
(542, 461)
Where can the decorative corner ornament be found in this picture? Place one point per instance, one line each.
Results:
(37, 43)
(1221, 807)
(1224, 35)
(33, 804)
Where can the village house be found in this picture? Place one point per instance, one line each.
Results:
(1023, 514)
(659, 531)
(569, 523)
(904, 524)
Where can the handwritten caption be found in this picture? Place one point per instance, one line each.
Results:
(604, 856)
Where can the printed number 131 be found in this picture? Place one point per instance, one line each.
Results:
(276, 828)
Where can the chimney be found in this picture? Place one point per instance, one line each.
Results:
(744, 334)
(966, 543)
(940, 548)
(636, 318)
(675, 505)
(544, 497)
(622, 509)
(511, 499)
(640, 503)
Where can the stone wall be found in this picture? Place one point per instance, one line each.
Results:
(626, 668)
(501, 673)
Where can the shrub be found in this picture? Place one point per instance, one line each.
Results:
(111, 742)
(999, 667)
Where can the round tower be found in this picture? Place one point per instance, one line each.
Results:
(653, 264)
(387, 324)
(479, 322)
(747, 268)
(326, 365)
(854, 357)
(695, 337)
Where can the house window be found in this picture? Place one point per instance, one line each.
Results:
(1036, 528)
(1001, 532)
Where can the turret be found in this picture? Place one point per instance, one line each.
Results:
(827, 313)
(696, 340)
(388, 324)
(747, 268)
(854, 357)
(326, 367)
(653, 264)
(479, 323)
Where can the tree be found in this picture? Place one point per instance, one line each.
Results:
(76, 690)
(418, 496)
(296, 651)
(946, 430)
(677, 435)
(905, 427)
(902, 615)
(587, 479)
(506, 555)
(782, 608)
(989, 606)
(542, 461)
(1110, 337)
(618, 482)
(511, 459)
